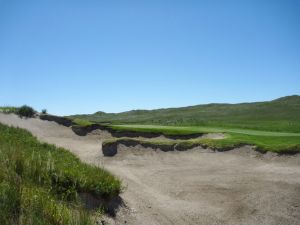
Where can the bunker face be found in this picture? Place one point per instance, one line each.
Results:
(201, 187)
(191, 187)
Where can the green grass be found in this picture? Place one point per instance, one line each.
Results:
(82, 122)
(271, 126)
(9, 109)
(278, 115)
(175, 130)
(40, 183)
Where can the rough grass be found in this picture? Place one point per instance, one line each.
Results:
(40, 183)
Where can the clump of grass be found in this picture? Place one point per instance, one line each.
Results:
(40, 207)
(25, 111)
(40, 183)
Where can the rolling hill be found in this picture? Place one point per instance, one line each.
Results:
(282, 114)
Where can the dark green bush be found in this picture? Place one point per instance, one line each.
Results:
(26, 111)
(44, 111)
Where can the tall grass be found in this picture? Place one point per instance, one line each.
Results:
(40, 183)
(8, 109)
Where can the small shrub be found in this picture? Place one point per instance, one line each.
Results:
(26, 111)
(44, 111)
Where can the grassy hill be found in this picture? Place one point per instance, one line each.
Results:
(282, 114)
(40, 183)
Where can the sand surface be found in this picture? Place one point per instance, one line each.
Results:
(198, 186)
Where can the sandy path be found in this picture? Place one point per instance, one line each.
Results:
(192, 187)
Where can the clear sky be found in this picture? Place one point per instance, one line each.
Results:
(82, 56)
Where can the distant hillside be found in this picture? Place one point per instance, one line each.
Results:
(282, 114)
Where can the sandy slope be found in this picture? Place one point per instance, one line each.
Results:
(192, 187)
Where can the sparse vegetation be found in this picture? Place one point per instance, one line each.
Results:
(40, 183)
(44, 111)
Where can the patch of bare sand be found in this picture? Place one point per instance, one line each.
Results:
(238, 187)
(202, 187)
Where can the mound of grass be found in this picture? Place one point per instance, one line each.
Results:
(40, 183)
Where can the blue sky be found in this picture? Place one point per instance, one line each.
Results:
(85, 56)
